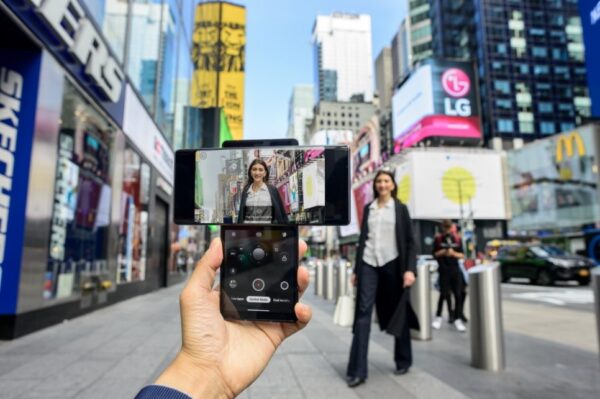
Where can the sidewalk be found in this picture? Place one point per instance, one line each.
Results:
(113, 352)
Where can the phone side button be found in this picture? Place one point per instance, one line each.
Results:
(258, 299)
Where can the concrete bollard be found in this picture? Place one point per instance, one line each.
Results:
(487, 334)
(596, 287)
(420, 298)
(330, 281)
(319, 278)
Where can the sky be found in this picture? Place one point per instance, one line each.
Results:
(279, 52)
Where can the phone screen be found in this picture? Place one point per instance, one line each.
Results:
(259, 273)
(287, 185)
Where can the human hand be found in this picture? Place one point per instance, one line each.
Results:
(409, 279)
(220, 358)
(354, 279)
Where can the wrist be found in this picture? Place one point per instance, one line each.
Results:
(197, 382)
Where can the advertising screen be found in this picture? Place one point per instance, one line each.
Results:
(590, 22)
(438, 103)
(553, 183)
(437, 184)
(219, 56)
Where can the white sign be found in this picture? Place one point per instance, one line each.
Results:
(68, 20)
(140, 128)
(412, 101)
(438, 184)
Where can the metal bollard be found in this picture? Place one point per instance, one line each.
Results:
(342, 279)
(487, 334)
(596, 287)
(330, 281)
(420, 298)
(319, 278)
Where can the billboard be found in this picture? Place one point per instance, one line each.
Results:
(553, 183)
(438, 184)
(590, 22)
(219, 56)
(439, 102)
(366, 152)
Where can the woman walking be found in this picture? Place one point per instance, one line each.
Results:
(385, 268)
(260, 202)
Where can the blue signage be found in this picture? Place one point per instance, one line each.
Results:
(19, 81)
(590, 21)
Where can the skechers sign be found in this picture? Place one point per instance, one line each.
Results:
(68, 20)
(19, 78)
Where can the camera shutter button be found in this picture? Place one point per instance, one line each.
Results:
(258, 253)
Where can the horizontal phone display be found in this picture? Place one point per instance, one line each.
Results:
(266, 185)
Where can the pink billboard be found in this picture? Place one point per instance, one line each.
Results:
(363, 195)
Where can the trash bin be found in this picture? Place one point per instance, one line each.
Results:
(420, 298)
(487, 334)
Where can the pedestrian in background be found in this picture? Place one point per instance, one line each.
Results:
(447, 249)
(385, 268)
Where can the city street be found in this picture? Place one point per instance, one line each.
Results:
(115, 351)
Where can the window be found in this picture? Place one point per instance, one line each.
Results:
(504, 104)
(526, 127)
(562, 72)
(523, 69)
(566, 126)
(541, 52)
(505, 126)
(547, 128)
(78, 246)
(537, 32)
(541, 70)
(502, 86)
(501, 48)
(111, 17)
(559, 54)
(545, 107)
(143, 55)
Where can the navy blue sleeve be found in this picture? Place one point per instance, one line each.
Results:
(160, 392)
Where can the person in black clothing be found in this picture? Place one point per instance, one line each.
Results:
(260, 202)
(384, 270)
(447, 249)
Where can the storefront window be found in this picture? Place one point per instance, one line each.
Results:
(77, 260)
(133, 225)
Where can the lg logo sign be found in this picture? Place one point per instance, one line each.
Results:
(456, 84)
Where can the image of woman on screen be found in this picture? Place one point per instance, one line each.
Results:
(260, 201)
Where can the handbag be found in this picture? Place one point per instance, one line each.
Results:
(344, 311)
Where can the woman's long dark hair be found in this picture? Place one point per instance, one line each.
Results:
(264, 165)
(391, 175)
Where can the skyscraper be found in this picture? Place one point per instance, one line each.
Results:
(401, 52)
(343, 58)
(531, 67)
(383, 78)
(420, 30)
(300, 112)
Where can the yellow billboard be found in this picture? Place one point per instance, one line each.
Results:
(219, 56)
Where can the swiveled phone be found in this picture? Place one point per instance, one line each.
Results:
(259, 273)
(281, 185)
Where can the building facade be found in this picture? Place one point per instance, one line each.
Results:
(300, 112)
(401, 52)
(421, 44)
(343, 69)
(531, 68)
(93, 99)
(339, 116)
(383, 78)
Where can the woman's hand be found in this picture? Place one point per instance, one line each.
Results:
(354, 279)
(409, 279)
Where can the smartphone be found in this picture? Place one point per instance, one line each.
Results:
(283, 185)
(259, 273)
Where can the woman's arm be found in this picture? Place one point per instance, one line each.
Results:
(411, 244)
